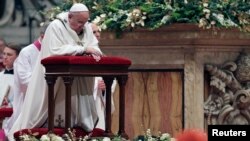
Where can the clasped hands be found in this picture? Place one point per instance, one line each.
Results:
(94, 53)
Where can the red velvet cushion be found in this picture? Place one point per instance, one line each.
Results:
(86, 60)
(5, 112)
(58, 131)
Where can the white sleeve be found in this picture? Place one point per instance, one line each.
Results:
(58, 41)
(23, 68)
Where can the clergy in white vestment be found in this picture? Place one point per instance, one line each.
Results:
(69, 34)
(99, 89)
(10, 53)
(6, 87)
(100, 100)
(23, 68)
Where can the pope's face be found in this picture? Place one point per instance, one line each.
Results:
(77, 20)
(9, 56)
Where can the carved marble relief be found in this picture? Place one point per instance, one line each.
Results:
(229, 94)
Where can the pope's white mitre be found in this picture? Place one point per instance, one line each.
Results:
(78, 7)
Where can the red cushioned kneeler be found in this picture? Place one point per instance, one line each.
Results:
(86, 60)
(58, 131)
(71, 64)
(68, 66)
(5, 112)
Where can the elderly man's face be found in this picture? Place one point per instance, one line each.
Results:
(9, 56)
(96, 31)
(77, 20)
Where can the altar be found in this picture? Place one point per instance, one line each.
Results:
(168, 83)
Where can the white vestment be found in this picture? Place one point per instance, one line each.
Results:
(100, 101)
(59, 39)
(23, 67)
(6, 87)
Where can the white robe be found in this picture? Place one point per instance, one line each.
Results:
(100, 102)
(23, 67)
(6, 87)
(59, 39)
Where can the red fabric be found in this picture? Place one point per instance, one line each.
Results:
(86, 60)
(1, 65)
(5, 112)
(2, 135)
(38, 132)
(37, 44)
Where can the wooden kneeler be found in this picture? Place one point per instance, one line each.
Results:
(68, 67)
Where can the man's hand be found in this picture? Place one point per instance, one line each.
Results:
(101, 85)
(90, 50)
(94, 53)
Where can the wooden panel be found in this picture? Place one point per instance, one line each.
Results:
(153, 101)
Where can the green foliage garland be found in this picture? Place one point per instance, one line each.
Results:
(120, 15)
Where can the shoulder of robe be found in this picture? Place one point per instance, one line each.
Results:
(55, 24)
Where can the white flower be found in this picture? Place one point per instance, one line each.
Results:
(212, 22)
(25, 137)
(202, 22)
(165, 19)
(207, 16)
(110, 13)
(86, 137)
(103, 15)
(103, 26)
(57, 138)
(97, 20)
(169, 7)
(164, 136)
(142, 23)
(129, 15)
(132, 24)
(219, 6)
(206, 10)
(45, 138)
(106, 139)
(205, 4)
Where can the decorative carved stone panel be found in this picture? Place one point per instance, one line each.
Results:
(229, 94)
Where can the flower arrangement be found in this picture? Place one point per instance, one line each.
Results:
(120, 15)
(185, 135)
(71, 137)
